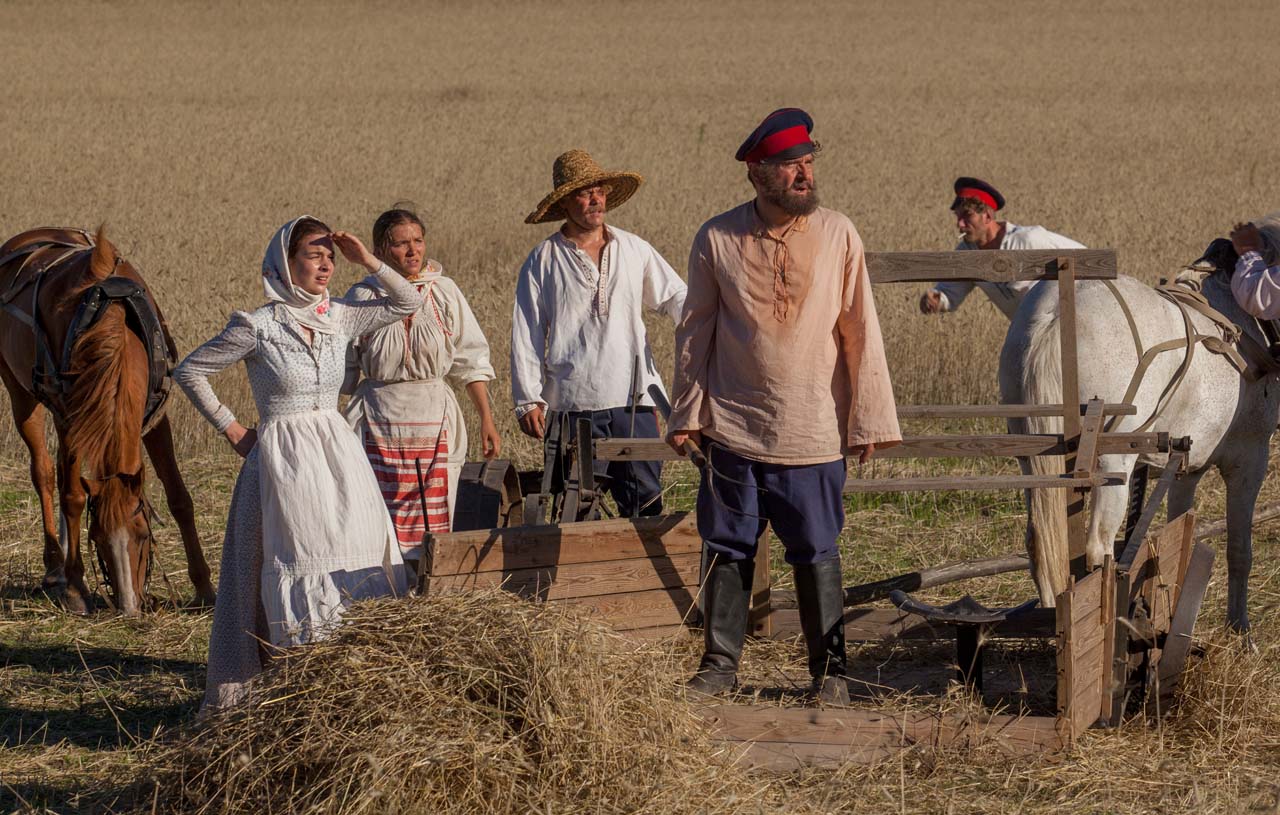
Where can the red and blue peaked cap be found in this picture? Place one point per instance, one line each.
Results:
(967, 187)
(782, 136)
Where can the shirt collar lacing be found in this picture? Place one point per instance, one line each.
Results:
(781, 260)
(600, 282)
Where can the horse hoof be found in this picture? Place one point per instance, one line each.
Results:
(203, 601)
(75, 603)
(53, 581)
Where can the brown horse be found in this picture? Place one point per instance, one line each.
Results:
(72, 343)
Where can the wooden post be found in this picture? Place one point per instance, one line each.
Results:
(760, 623)
(1071, 409)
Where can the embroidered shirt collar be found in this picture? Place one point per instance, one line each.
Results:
(559, 237)
(597, 276)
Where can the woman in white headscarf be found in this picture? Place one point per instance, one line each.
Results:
(307, 531)
(404, 408)
(1256, 282)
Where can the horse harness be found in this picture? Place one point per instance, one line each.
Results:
(1250, 359)
(49, 377)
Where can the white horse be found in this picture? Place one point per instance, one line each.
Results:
(1229, 420)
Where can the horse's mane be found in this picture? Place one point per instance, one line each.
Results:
(105, 405)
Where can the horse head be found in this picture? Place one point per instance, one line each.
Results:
(120, 531)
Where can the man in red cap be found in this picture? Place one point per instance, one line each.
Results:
(975, 207)
(780, 373)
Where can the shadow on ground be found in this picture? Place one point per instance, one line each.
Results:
(119, 698)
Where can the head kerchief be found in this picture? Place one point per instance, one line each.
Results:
(311, 310)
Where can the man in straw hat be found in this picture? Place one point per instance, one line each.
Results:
(780, 373)
(975, 206)
(578, 343)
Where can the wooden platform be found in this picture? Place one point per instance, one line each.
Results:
(777, 738)
(641, 577)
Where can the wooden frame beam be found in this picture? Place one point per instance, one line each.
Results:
(993, 266)
(948, 446)
(1001, 411)
(1090, 430)
(982, 483)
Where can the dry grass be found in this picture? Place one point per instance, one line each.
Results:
(194, 130)
(474, 703)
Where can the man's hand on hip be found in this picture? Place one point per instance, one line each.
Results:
(534, 423)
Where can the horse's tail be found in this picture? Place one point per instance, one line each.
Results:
(105, 406)
(1047, 539)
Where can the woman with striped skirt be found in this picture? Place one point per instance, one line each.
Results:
(404, 407)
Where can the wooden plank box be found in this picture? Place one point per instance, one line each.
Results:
(637, 575)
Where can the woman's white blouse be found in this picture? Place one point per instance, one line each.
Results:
(287, 374)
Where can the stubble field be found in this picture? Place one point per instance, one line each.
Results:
(194, 130)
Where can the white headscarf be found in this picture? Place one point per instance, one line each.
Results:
(1269, 226)
(312, 310)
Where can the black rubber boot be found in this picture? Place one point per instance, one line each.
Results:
(726, 596)
(820, 598)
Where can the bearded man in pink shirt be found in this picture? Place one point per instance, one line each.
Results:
(780, 373)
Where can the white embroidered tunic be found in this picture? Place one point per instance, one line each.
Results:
(577, 328)
(1006, 296)
(405, 409)
(307, 531)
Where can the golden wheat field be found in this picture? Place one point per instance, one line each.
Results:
(193, 130)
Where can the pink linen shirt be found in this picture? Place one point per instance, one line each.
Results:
(778, 353)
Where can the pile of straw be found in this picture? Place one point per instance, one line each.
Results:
(466, 703)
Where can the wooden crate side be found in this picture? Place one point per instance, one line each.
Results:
(638, 609)
(776, 737)
(657, 633)
(580, 579)
(1170, 550)
(1087, 603)
(1062, 609)
(530, 547)
(1110, 586)
(1084, 629)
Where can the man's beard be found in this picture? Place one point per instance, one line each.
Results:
(786, 199)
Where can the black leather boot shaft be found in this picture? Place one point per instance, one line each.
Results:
(820, 598)
(726, 599)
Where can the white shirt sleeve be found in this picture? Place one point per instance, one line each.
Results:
(470, 348)
(953, 293)
(664, 291)
(236, 342)
(528, 337)
(359, 317)
(1256, 286)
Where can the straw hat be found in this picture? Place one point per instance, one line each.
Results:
(573, 171)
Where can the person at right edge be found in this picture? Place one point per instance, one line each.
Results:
(780, 373)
